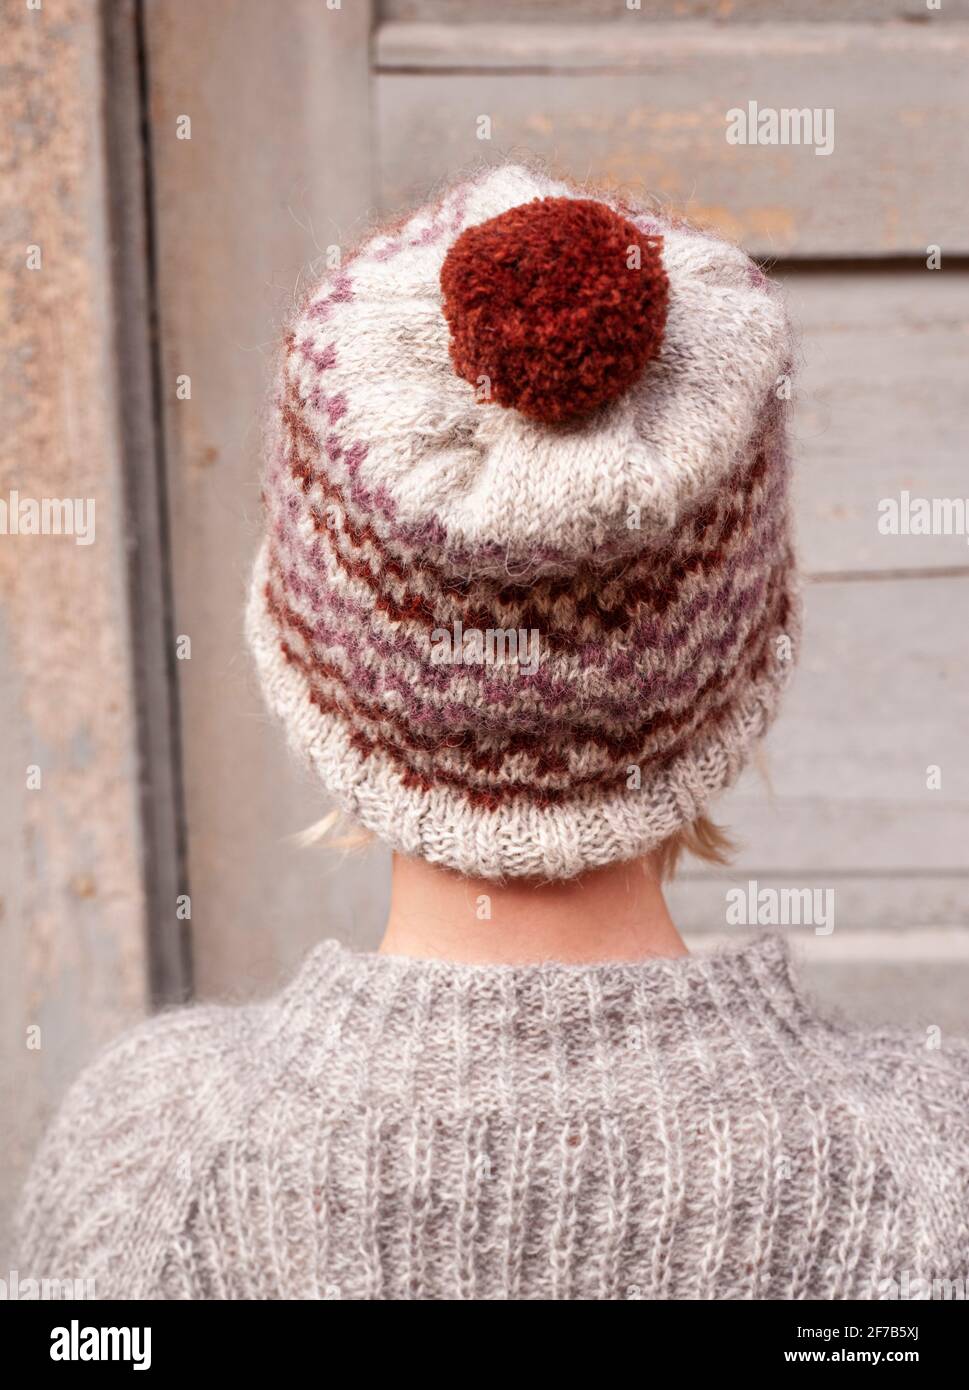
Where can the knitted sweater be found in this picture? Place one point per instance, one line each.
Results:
(390, 1128)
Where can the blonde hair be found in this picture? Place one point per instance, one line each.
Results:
(706, 841)
(702, 838)
(337, 831)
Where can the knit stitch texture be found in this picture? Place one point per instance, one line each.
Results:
(397, 1129)
(646, 545)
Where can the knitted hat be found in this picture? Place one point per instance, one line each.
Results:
(527, 582)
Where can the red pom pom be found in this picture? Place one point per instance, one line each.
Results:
(558, 303)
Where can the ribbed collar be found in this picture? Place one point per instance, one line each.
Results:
(765, 959)
(481, 1025)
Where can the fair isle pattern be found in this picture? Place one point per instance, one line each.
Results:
(395, 1129)
(399, 506)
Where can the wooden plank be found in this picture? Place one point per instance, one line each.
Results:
(880, 408)
(646, 111)
(645, 46)
(649, 11)
(277, 169)
(791, 832)
(73, 937)
(880, 695)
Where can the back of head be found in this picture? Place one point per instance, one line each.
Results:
(526, 598)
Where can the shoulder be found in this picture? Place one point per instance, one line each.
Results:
(925, 1074)
(113, 1176)
(909, 1090)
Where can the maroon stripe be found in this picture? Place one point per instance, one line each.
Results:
(553, 693)
(351, 708)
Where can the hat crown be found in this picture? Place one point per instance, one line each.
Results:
(500, 490)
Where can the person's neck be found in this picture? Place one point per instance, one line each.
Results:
(612, 914)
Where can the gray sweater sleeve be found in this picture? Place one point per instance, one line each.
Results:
(111, 1182)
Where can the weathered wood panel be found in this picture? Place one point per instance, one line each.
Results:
(649, 11)
(880, 695)
(72, 921)
(258, 899)
(645, 108)
(881, 408)
(276, 170)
